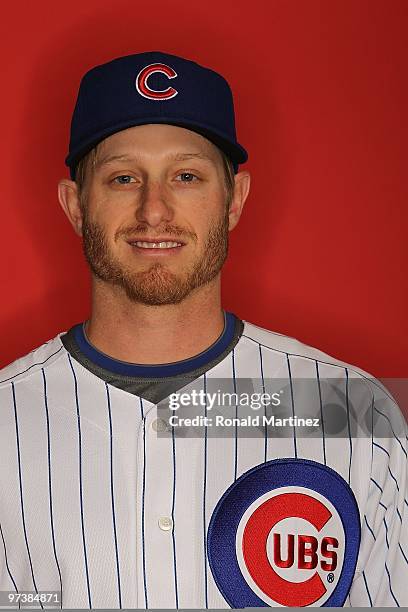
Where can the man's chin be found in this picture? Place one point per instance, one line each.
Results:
(157, 287)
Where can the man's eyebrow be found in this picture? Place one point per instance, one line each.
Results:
(184, 156)
(107, 159)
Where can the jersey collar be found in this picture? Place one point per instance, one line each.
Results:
(157, 370)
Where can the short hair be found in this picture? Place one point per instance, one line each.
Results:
(87, 163)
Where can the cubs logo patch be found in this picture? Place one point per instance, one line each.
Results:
(142, 85)
(286, 533)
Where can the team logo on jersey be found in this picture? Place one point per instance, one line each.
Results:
(286, 533)
(142, 85)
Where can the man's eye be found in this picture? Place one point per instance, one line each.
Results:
(123, 179)
(189, 176)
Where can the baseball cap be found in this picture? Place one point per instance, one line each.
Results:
(153, 87)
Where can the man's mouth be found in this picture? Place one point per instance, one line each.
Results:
(156, 245)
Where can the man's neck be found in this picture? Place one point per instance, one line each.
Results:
(142, 334)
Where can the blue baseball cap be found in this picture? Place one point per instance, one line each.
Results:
(153, 87)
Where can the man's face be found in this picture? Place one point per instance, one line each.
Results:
(155, 221)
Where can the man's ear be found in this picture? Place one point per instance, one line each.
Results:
(241, 190)
(69, 199)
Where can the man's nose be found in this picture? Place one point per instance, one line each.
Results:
(154, 206)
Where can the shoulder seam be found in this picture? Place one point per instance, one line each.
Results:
(369, 379)
(33, 365)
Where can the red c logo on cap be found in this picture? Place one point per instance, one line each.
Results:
(146, 91)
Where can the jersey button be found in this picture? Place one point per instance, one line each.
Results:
(165, 523)
(159, 425)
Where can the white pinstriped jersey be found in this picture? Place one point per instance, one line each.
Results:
(95, 504)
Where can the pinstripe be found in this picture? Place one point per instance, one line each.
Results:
(263, 391)
(389, 469)
(394, 479)
(33, 365)
(374, 382)
(376, 484)
(321, 412)
(386, 540)
(399, 514)
(382, 448)
(348, 424)
(80, 480)
(389, 582)
(386, 532)
(204, 498)
(236, 416)
(112, 490)
(21, 490)
(367, 589)
(172, 517)
(6, 560)
(402, 552)
(388, 546)
(371, 531)
(372, 432)
(293, 405)
(143, 504)
(391, 427)
(50, 481)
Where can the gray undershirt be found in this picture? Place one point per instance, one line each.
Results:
(151, 389)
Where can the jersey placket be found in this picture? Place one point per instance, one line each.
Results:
(155, 504)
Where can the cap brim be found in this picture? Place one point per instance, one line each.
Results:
(235, 151)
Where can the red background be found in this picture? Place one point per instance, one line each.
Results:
(321, 98)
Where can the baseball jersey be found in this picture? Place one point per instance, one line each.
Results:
(287, 486)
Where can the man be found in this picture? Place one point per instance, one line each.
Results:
(128, 480)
